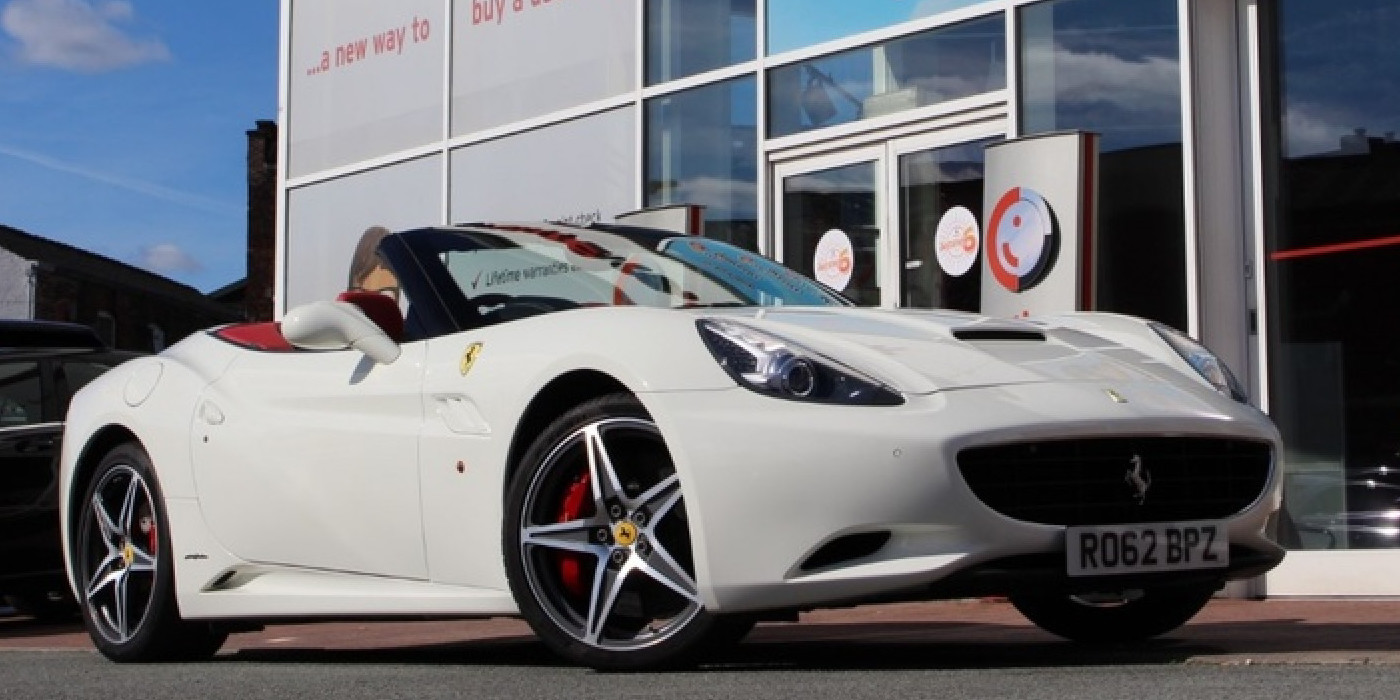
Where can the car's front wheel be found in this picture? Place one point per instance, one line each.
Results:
(597, 544)
(1120, 616)
(122, 563)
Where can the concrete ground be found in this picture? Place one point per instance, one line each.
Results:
(1228, 631)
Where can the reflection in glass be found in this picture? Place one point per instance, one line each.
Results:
(1332, 253)
(1106, 66)
(943, 64)
(701, 148)
(685, 37)
(794, 24)
(1112, 67)
(831, 231)
(931, 185)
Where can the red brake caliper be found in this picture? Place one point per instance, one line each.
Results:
(571, 508)
(147, 525)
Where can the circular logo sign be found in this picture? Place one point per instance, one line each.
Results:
(956, 241)
(1023, 239)
(835, 259)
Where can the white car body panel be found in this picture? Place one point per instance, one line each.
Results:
(323, 483)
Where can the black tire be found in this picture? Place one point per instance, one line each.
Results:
(1127, 616)
(597, 545)
(123, 565)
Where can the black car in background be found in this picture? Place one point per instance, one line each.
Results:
(41, 364)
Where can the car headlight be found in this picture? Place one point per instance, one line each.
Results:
(778, 367)
(1210, 367)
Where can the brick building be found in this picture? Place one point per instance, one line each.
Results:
(131, 308)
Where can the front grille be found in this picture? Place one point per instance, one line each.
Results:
(1091, 482)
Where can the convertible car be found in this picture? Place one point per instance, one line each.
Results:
(642, 444)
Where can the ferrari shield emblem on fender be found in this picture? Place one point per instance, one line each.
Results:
(469, 358)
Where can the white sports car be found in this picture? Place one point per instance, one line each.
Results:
(642, 443)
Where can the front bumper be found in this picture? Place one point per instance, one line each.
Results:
(769, 484)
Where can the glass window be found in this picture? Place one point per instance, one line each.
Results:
(940, 205)
(1332, 252)
(942, 64)
(1112, 67)
(793, 24)
(685, 37)
(72, 375)
(831, 229)
(701, 148)
(21, 400)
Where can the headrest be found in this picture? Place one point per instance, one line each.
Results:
(383, 310)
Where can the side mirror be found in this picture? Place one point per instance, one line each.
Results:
(337, 325)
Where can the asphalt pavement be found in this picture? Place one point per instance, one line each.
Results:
(1228, 631)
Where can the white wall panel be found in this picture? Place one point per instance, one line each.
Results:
(325, 221)
(365, 79)
(517, 59)
(580, 171)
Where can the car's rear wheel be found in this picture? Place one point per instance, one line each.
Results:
(1120, 616)
(597, 544)
(122, 562)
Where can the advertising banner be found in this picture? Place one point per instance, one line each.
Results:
(1040, 196)
(364, 80)
(519, 59)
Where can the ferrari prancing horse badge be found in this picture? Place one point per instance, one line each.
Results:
(469, 358)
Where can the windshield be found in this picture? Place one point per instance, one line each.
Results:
(561, 267)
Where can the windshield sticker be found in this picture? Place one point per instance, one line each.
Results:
(957, 241)
(834, 259)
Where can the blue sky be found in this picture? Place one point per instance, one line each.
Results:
(123, 127)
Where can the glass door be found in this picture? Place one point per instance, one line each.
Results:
(898, 224)
(939, 219)
(830, 215)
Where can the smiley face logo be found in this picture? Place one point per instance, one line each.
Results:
(1023, 239)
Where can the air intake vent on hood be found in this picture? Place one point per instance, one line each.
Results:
(975, 334)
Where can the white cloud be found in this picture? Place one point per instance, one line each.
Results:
(716, 190)
(933, 7)
(167, 258)
(78, 35)
(1310, 130)
(1151, 85)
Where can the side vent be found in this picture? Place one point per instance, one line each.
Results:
(846, 548)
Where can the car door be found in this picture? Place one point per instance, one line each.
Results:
(312, 460)
(29, 437)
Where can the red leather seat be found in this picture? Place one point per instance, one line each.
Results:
(383, 310)
(266, 336)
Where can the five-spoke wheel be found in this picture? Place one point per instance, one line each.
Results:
(598, 546)
(122, 564)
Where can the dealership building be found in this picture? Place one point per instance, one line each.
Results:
(1233, 171)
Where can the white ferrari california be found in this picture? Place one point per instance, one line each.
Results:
(643, 443)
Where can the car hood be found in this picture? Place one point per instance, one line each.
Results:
(928, 351)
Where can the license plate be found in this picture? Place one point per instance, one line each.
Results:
(1145, 548)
